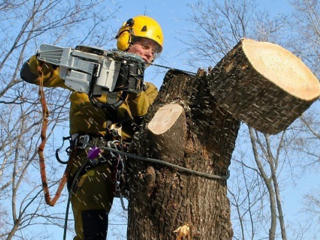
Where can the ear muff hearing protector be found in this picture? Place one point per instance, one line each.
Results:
(125, 35)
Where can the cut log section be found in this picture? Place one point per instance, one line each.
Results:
(264, 85)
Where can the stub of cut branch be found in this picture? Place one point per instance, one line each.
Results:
(165, 118)
(264, 85)
(167, 132)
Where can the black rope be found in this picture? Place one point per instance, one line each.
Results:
(175, 69)
(170, 165)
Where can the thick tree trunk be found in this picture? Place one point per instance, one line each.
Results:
(192, 124)
(185, 127)
(264, 85)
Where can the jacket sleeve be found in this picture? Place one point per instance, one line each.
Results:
(30, 72)
(139, 104)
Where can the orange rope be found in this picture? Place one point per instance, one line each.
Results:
(45, 115)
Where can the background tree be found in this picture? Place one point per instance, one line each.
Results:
(260, 162)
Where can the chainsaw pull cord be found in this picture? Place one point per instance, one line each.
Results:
(45, 115)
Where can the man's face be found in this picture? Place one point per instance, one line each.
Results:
(145, 48)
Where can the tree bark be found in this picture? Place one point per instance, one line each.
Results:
(185, 127)
(264, 85)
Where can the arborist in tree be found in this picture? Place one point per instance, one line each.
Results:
(93, 190)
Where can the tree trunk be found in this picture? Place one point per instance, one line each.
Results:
(264, 85)
(185, 127)
(192, 124)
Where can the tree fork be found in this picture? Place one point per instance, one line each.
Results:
(185, 127)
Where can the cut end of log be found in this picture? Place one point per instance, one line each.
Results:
(165, 118)
(283, 68)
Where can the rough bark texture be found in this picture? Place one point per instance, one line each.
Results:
(202, 139)
(258, 100)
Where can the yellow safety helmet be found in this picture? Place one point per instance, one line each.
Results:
(139, 26)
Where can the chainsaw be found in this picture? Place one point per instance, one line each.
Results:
(95, 71)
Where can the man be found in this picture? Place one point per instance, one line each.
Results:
(92, 197)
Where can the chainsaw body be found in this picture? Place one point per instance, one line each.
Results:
(95, 71)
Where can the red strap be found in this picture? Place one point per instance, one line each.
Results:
(45, 115)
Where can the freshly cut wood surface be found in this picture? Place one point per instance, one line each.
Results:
(264, 85)
(164, 118)
(283, 68)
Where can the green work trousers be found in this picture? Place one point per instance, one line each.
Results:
(91, 196)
